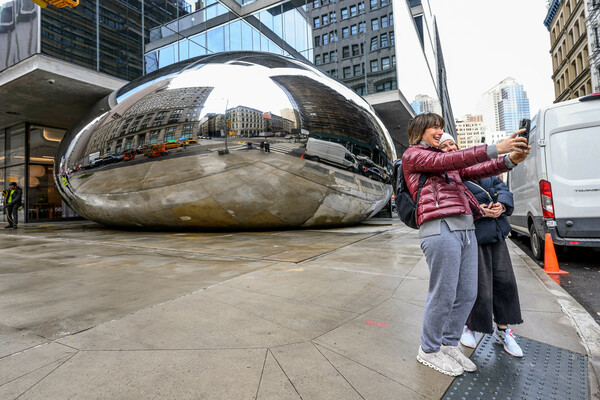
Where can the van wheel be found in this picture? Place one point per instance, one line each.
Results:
(536, 243)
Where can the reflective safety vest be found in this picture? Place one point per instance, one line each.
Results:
(10, 196)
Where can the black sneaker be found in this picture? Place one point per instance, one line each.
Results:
(8, 227)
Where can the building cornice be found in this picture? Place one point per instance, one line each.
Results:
(551, 13)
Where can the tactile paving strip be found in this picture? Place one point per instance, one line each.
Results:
(544, 372)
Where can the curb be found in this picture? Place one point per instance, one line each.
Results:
(585, 325)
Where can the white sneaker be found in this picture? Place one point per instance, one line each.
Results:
(468, 338)
(440, 362)
(458, 356)
(507, 339)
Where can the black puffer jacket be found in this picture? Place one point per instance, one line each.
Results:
(487, 190)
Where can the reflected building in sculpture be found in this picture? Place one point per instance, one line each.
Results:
(219, 181)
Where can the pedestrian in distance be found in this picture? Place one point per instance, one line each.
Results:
(497, 293)
(13, 200)
(445, 214)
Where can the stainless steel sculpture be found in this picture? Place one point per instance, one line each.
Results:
(235, 140)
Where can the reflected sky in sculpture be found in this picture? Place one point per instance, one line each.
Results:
(236, 140)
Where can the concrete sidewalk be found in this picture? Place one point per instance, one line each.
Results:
(88, 312)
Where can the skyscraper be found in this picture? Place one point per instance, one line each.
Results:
(503, 106)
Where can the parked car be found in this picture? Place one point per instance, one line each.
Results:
(372, 172)
(187, 142)
(557, 188)
(128, 155)
(172, 144)
(330, 153)
(107, 159)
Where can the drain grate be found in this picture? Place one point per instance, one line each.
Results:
(544, 372)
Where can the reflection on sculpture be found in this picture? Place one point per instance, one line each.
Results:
(235, 140)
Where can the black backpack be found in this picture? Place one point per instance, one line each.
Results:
(405, 205)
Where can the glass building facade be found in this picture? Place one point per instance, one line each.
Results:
(513, 107)
(27, 158)
(281, 29)
(106, 36)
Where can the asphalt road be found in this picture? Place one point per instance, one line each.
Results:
(583, 280)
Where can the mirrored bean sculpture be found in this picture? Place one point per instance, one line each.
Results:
(237, 140)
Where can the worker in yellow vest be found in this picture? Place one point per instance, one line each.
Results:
(12, 202)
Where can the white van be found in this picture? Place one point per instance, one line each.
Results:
(330, 153)
(557, 188)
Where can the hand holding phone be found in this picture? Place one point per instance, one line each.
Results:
(525, 124)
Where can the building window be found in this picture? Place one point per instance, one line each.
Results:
(332, 17)
(325, 58)
(325, 39)
(385, 86)
(384, 40)
(384, 3)
(392, 41)
(374, 24)
(361, 7)
(169, 136)
(374, 66)
(316, 4)
(346, 72)
(362, 27)
(333, 56)
(333, 73)
(345, 32)
(385, 63)
(356, 70)
(393, 61)
(344, 13)
(374, 43)
(384, 21)
(317, 41)
(325, 19)
(355, 50)
(353, 11)
(353, 30)
(392, 19)
(316, 22)
(345, 51)
(317, 60)
(374, 4)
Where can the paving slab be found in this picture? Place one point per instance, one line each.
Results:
(91, 312)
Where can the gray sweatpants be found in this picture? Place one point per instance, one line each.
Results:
(452, 260)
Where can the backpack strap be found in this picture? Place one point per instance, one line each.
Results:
(422, 180)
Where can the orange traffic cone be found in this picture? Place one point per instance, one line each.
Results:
(550, 261)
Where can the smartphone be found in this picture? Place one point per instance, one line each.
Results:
(525, 124)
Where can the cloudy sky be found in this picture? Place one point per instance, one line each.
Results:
(485, 41)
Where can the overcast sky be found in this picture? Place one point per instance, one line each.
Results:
(485, 41)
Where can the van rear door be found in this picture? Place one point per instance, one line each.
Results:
(573, 167)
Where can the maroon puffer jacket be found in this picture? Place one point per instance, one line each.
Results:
(444, 193)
